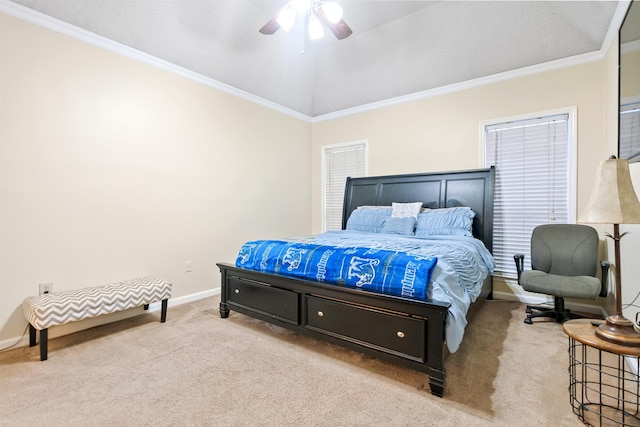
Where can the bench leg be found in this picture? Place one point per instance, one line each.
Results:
(163, 312)
(32, 335)
(44, 341)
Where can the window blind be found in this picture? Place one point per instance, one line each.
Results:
(532, 183)
(630, 131)
(340, 162)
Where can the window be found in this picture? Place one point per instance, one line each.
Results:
(535, 182)
(630, 130)
(339, 162)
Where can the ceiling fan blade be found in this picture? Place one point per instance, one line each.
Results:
(340, 29)
(270, 27)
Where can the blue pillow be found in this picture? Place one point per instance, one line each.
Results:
(395, 225)
(445, 222)
(368, 219)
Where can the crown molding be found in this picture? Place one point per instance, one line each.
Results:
(616, 23)
(469, 84)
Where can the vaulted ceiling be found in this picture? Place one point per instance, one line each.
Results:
(398, 48)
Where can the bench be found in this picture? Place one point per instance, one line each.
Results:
(63, 307)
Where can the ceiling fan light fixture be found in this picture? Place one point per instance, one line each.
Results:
(287, 17)
(318, 15)
(332, 11)
(315, 28)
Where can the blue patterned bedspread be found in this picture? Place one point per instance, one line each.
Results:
(460, 265)
(371, 269)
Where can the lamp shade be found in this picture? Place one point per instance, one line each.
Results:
(613, 200)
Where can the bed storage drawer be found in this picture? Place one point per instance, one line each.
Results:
(267, 300)
(384, 331)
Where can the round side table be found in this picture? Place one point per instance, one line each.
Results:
(604, 386)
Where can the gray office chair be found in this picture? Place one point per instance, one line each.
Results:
(564, 259)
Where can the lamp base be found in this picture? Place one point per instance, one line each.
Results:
(619, 330)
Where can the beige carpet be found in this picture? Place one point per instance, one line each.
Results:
(200, 370)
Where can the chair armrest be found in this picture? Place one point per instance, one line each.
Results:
(519, 260)
(604, 265)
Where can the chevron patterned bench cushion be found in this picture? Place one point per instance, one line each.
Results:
(59, 308)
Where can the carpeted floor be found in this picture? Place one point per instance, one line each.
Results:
(200, 370)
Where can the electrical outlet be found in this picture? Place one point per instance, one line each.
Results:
(187, 266)
(46, 288)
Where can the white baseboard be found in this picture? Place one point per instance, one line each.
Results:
(185, 299)
(69, 328)
(542, 300)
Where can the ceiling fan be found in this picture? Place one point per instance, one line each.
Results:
(317, 14)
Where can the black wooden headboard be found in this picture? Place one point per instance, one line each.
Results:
(472, 188)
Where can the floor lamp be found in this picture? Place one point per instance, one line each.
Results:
(614, 201)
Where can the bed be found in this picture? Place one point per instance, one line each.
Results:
(404, 330)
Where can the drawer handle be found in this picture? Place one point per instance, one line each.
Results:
(320, 314)
(237, 291)
(400, 334)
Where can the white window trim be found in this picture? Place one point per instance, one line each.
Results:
(323, 164)
(572, 149)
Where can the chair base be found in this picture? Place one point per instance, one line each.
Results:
(558, 312)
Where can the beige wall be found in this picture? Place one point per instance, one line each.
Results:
(112, 169)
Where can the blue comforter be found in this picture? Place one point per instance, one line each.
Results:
(457, 268)
(376, 270)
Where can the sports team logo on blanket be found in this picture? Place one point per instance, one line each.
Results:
(364, 269)
(383, 271)
(293, 258)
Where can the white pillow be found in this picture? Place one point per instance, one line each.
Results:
(406, 210)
